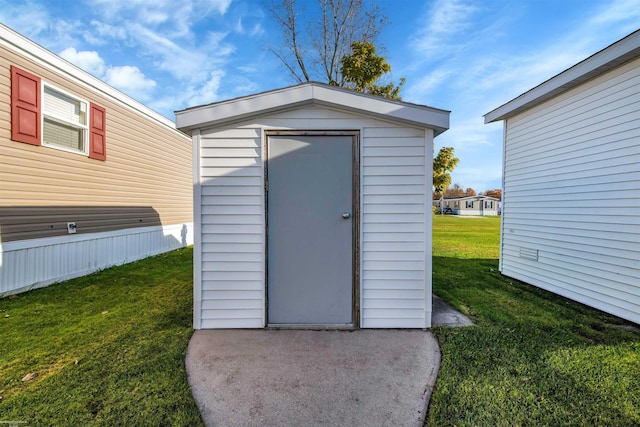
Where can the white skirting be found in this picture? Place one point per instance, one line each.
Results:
(29, 264)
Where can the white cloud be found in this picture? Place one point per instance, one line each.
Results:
(130, 80)
(191, 95)
(175, 17)
(427, 83)
(30, 19)
(621, 11)
(100, 33)
(446, 20)
(184, 61)
(90, 61)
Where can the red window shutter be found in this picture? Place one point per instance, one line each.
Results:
(25, 107)
(98, 133)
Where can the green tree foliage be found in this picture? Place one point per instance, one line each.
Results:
(363, 68)
(443, 164)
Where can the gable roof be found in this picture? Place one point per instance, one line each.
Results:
(312, 93)
(476, 197)
(624, 50)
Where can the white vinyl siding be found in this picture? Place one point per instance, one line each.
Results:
(231, 229)
(395, 232)
(394, 227)
(572, 193)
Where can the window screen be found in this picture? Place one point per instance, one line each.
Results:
(65, 121)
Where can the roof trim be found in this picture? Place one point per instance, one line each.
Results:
(616, 54)
(311, 93)
(29, 49)
(476, 197)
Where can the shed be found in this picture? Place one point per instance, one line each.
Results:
(571, 182)
(312, 208)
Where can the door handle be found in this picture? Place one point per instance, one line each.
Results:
(346, 215)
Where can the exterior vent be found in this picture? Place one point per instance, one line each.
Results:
(527, 253)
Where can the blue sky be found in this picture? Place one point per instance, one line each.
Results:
(467, 56)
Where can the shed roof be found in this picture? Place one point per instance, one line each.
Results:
(313, 93)
(624, 50)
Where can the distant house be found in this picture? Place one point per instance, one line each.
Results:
(571, 185)
(89, 178)
(470, 205)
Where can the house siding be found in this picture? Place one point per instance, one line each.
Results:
(572, 194)
(148, 164)
(395, 229)
(143, 186)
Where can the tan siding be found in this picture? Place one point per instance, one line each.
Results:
(31, 222)
(572, 193)
(148, 168)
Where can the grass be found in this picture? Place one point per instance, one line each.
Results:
(108, 349)
(533, 358)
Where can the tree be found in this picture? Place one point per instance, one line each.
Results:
(454, 191)
(470, 192)
(495, 193)
(363, 68)
(443, 163)
(313, 44)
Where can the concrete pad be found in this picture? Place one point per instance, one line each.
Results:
(310, 378)
(445, 315)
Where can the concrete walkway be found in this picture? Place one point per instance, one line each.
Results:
(445, 315)
(313, 378)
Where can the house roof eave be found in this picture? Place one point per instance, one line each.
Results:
(618, 53)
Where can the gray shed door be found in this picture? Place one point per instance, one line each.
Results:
(309, 235)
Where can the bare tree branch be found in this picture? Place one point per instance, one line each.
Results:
(314, 43)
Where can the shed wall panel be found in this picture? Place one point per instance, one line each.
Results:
(232, 228)
(395, 222)
(572, 193)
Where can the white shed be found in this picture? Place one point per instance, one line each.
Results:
(571, 182)
(312, 208)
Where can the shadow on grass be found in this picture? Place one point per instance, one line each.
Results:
(108, 348)
(534, 358)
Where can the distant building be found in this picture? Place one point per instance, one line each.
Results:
(470, 205)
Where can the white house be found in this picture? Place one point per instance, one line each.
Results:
(312, 208)
(571, 182)
(478, 205)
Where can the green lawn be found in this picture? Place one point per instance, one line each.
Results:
(108, 348)
(533, 358)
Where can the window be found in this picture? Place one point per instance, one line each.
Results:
(469, 204)
(64, 119)
(488, 204)
(44, 115)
